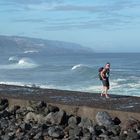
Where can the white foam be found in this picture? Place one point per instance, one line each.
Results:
(125, 70)
(13, 58)
(12, 83)
(31, 51)
(77, 66)
(134, 85)
(121, 80)
(24, 63)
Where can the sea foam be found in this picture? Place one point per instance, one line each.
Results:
(77, 66)
(23, 63)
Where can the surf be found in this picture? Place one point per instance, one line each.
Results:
(23, 63)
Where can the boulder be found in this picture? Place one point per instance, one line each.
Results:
(73, 121)
(38, 118)
(86, 135)
(3, 104)
(75, 133)
(86, 124)
(56, 118)
(56, 132)
(52, 108)
(25, 126)
(103, 118)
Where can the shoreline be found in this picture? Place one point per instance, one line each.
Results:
(77, 103)
(77, 98)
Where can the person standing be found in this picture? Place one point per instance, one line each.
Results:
(105, 73)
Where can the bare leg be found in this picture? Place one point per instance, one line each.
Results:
(106, 92)
(103, 91)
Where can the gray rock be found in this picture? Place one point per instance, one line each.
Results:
(38, 118)
(52, 108)
(30, 109)
(11, 135)
(45, 133)
(93, 137)
(115, 130)
(132, 135)
(86, 123)
(46, 111)
(56, 132)
(4, 123)
(104, 136)
(15, 108)
(38, 136)
(116, 138)
(56, 118)
(3, 101)
(103, 118)
(75, 133)
(41, 104)
(25, 126)
(44, 126)
(99, 130)
(3, 104)
(86, 135)
(72, 121)
(6, 137)
(5, 113)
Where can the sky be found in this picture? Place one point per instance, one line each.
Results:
(104, 25)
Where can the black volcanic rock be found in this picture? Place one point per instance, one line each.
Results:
(34, 125)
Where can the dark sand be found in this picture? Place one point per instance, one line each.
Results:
(118, 103)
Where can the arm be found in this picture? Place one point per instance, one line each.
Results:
(103, 74)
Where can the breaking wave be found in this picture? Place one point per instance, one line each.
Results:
(80, 67)
(30, 51)
(13, 58)
(77, 66)
(24, 63)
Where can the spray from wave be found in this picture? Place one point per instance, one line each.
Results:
(77, 66)
(24, 63)
(81, 67)
(30, 51)
(13, 58)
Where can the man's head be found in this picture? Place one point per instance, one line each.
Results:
(107, 66)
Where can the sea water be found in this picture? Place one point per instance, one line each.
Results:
(72, 71)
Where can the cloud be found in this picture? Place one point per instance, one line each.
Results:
(26, 2)
(30, 20)
(104, 15)
(27, 5)
(106, 24)
(114, 6)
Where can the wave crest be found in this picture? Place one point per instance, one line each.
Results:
(13, 58)
(30, 51)
(77, 66)
(24, 63)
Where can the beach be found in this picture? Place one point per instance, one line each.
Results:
(72, 98)
(66, 115)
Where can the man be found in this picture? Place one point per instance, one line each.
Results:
(105, 73)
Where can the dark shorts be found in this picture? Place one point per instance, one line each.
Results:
(105, 82)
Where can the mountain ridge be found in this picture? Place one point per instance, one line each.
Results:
(27, 44)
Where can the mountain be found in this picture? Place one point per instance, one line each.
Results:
(17, 44)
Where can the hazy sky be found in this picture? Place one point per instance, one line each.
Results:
(104, 25)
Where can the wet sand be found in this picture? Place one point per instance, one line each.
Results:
(72, 98)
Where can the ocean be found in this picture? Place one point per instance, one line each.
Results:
(78, 72)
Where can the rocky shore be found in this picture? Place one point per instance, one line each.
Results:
(42, 121)
(32, 113)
